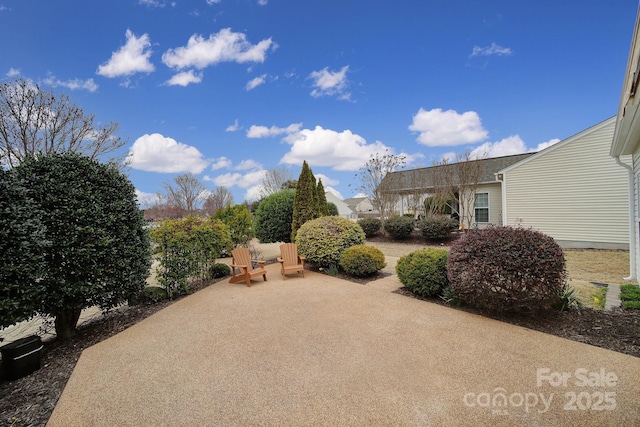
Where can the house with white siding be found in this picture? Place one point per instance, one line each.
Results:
(343, 209)
(572, 191)
(626, 142)
(361, 205)
(415, 185)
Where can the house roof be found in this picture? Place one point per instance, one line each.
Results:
(353, 201)
(424, 178)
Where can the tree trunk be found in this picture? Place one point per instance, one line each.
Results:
(65, 323)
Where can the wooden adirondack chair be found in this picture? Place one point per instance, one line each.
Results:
(290, 261)
(244, 264)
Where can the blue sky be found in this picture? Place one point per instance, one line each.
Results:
(227, 89)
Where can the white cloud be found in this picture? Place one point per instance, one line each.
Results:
(334, 191)
(234, 127)
(265, 132)
(238, 179)
(328, 83)
(184, 78)
(506, 147)
(546, 144)
(73, 84)
(210, 2)
(224, 46)
(13, 72)
(254, 83)
(157, 153)
(344, 150)
(131, 58)
(221, 163)
(248, 164)
(326, 180)
(447, 128)
(146, 199)
(263, 2)
(494, 49)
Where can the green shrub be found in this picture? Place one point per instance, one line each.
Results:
(399, 227)
(437, 227)
(218, 270)
(507, 269)
(149, 295)
(322, 240)
(239, 221)
(631, 304)
(273, 217)
(333, 209)
(188, 247)
(370, 226)
(362, 260)
(424, 272)
(568, 298)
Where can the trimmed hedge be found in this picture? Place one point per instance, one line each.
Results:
(322, 240)
(399, 227)
(507, 269)
(437, 227)
(424, 272)
(362, 260)
(370, 226)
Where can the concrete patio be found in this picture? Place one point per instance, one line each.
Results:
(323, 351)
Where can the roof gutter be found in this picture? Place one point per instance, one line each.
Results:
(632, 226)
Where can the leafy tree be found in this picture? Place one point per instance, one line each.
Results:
(186, 192)
(333, 209)
(22, 245)
(323, 207)
(305, 205)
(34, 121)
(274, 216)
(372, 175)
(289, 185)
(99, 251)
(240, 223)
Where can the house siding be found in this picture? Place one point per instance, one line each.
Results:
(495, 204)
(636, 209)
(575, 192)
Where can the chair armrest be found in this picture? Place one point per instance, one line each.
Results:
(260, 262)
(280, 259)
(238, 265)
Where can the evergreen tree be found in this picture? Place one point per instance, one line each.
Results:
(305, 205)
(323, 207)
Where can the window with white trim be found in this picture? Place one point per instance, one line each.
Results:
(481, 208)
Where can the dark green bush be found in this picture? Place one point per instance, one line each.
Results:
(424, 272)
(437, 227)
(273, 217)
(370, 226)
(149, 295)
(362, 260)
(399, 227)
(333, 209)
(507, 269)
(218, 270)
(322, 240)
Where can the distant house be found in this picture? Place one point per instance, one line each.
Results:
(415, 185)
(343, 209)
(626, 142)
(361, 206)
(573, 191)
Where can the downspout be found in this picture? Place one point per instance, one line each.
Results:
(503, 192)
(632, 225)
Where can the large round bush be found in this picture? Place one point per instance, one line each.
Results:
(322, 240)
(424, 271)
(273, 217)
(399, 227)
(437, 227)
(362, 260)
(507, 269)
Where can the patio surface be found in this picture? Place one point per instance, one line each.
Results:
(323, 351)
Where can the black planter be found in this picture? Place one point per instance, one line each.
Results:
(21, 357)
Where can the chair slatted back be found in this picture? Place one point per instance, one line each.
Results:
(289, 253)
(241, 256)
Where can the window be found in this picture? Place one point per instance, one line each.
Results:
(482, 207)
